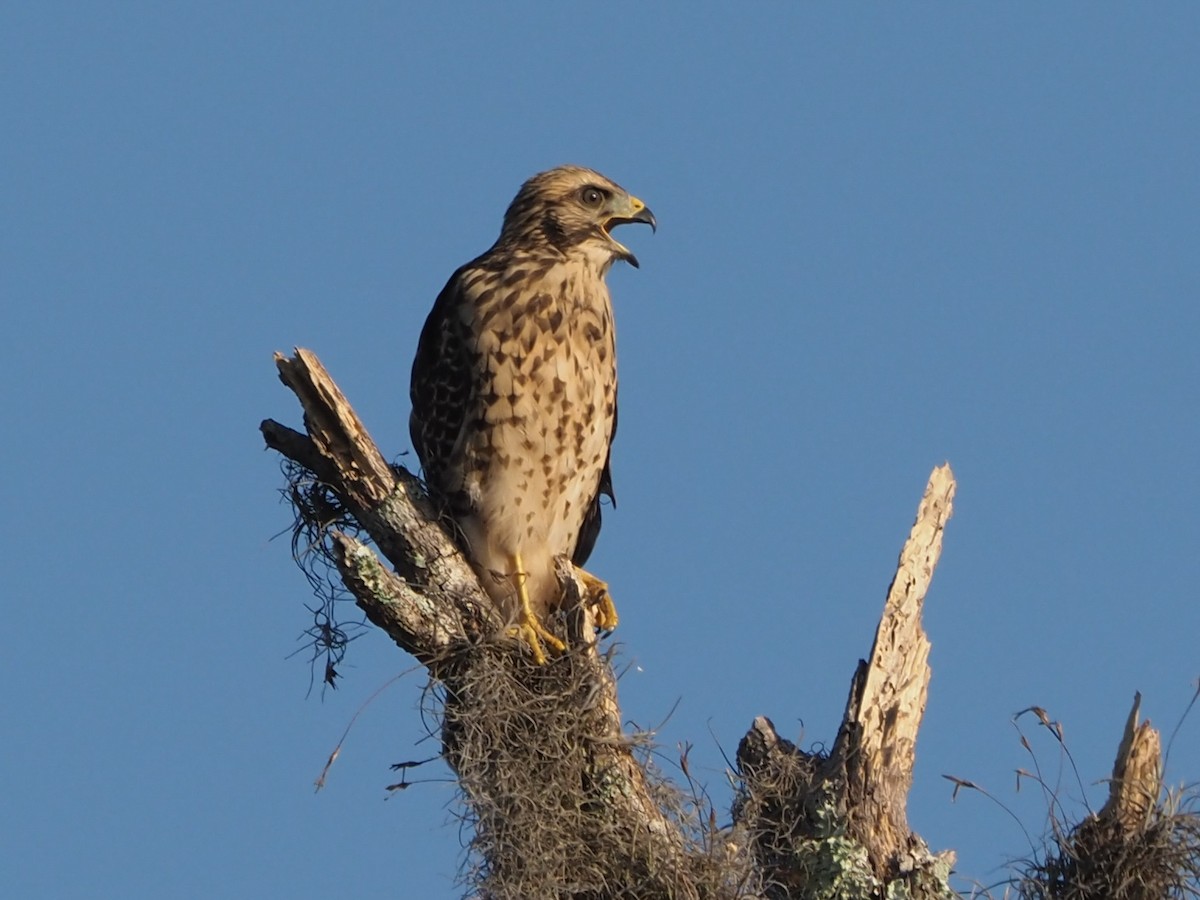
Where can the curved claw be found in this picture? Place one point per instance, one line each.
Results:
(604, 611)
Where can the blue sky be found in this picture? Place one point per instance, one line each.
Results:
(889, 236)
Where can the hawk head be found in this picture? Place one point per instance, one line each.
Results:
(573, 210)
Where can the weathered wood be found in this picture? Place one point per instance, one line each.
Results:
(335, 429)
(836, 826)
(1144, 843)
(1137, 775)
(390, 505)
(876, 745)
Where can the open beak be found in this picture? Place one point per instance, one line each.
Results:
(631, 210)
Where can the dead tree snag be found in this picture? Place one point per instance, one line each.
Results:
(554, 788)
(565, 804)
(839, 821)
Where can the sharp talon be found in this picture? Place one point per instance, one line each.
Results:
(604, 611)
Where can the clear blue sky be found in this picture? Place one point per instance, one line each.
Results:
(888, 238)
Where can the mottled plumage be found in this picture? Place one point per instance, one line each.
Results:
(514, 389)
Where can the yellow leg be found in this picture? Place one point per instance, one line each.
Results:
(529, 628)
(604, 611)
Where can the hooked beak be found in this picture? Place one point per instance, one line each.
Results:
(626, 211)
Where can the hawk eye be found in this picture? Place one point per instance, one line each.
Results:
(591, 196)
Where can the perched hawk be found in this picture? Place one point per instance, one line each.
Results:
(514, 393)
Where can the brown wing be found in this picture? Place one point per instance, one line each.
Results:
(592, 521)
(442, 390)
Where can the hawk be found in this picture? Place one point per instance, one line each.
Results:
(514, 394)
